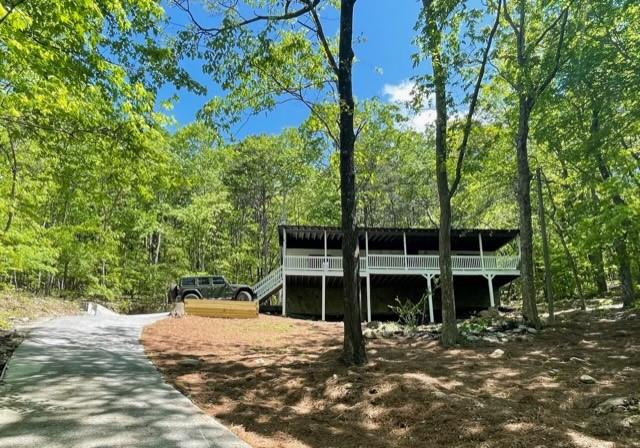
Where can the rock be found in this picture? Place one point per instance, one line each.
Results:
(472, 338)
(497, 353)
(490, 313)
(621, 333)
(576, 359)
(387, 333)
(611, 405)
(189, 362)
(373, 325)
(369, 334)
(633, 420)
(491, 339)
(531, 330)
(586, 379)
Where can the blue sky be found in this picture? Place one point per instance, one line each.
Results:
(382, 69)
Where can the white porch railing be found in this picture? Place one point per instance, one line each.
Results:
(382, 263)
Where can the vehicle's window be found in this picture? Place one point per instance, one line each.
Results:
(188, 281)
(218, 280)
(203, 281)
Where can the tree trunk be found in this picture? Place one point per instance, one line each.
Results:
(545, 249)
(599, 277)
(353, 350)
(11, 155)
(529, 307)
(565, 248)
(449, 326)
(619, 241)
(624, 272)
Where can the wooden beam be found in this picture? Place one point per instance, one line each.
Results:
(368, 298)
(221, 308)
(324, 298)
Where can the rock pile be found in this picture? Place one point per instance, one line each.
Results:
(489, 326)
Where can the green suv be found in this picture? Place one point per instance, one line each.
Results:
(209, 287)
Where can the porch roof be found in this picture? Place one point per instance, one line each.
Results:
(391, 238)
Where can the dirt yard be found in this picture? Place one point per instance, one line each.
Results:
(277, 383)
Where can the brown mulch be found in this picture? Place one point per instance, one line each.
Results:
(276, 382)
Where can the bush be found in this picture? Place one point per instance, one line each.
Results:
(409, 313)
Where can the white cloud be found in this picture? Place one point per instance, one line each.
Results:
(399, 93)
(402, 94)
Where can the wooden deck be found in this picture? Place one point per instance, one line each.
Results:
(231, 309)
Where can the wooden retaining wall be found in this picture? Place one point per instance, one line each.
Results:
(233, 309)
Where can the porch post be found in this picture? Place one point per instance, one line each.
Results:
(491, 298)
(324, 298)
(360, 297)
(368, 298)
(324, 278)
(325, 244)
(404, 240)
(284, 272)
(431, 319)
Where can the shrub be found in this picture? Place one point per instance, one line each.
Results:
(409, 313)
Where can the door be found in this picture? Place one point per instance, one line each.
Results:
(220, 288)
(205, 287)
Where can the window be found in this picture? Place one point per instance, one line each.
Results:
(218, 281)
(203, 281)
(188, 282)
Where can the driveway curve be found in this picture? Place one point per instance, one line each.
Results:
(85, 382)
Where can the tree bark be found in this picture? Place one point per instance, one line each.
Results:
(545, 249)
(529, 306)
(13, 160)
(449, 326)
(353, 349)
(597, 264)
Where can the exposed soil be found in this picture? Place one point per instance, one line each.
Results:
(277, 383)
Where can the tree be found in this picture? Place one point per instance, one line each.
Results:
(259, 59)
(536, 65)
(446, 61)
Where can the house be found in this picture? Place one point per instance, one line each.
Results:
(394, 263)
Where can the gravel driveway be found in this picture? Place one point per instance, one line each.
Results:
(84, 381)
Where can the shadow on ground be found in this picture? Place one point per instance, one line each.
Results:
(287, 389)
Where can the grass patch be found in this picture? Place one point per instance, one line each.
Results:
(17, 306)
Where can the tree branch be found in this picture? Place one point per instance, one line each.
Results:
(323, 42)
(186, 7)
(472, 106)
(556, 65)
(507, 16)
(10, 10)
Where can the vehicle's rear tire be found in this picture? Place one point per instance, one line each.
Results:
(244, 296)
(190, 296)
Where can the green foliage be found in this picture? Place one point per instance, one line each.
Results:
(409, 312)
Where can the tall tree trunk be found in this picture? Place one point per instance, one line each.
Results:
(529, 307)
(353, 349)
(624, 272)
(449, 326)
(548, 289)
(565, 248)
(597, 265)
(13, 160)
(619, 241)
